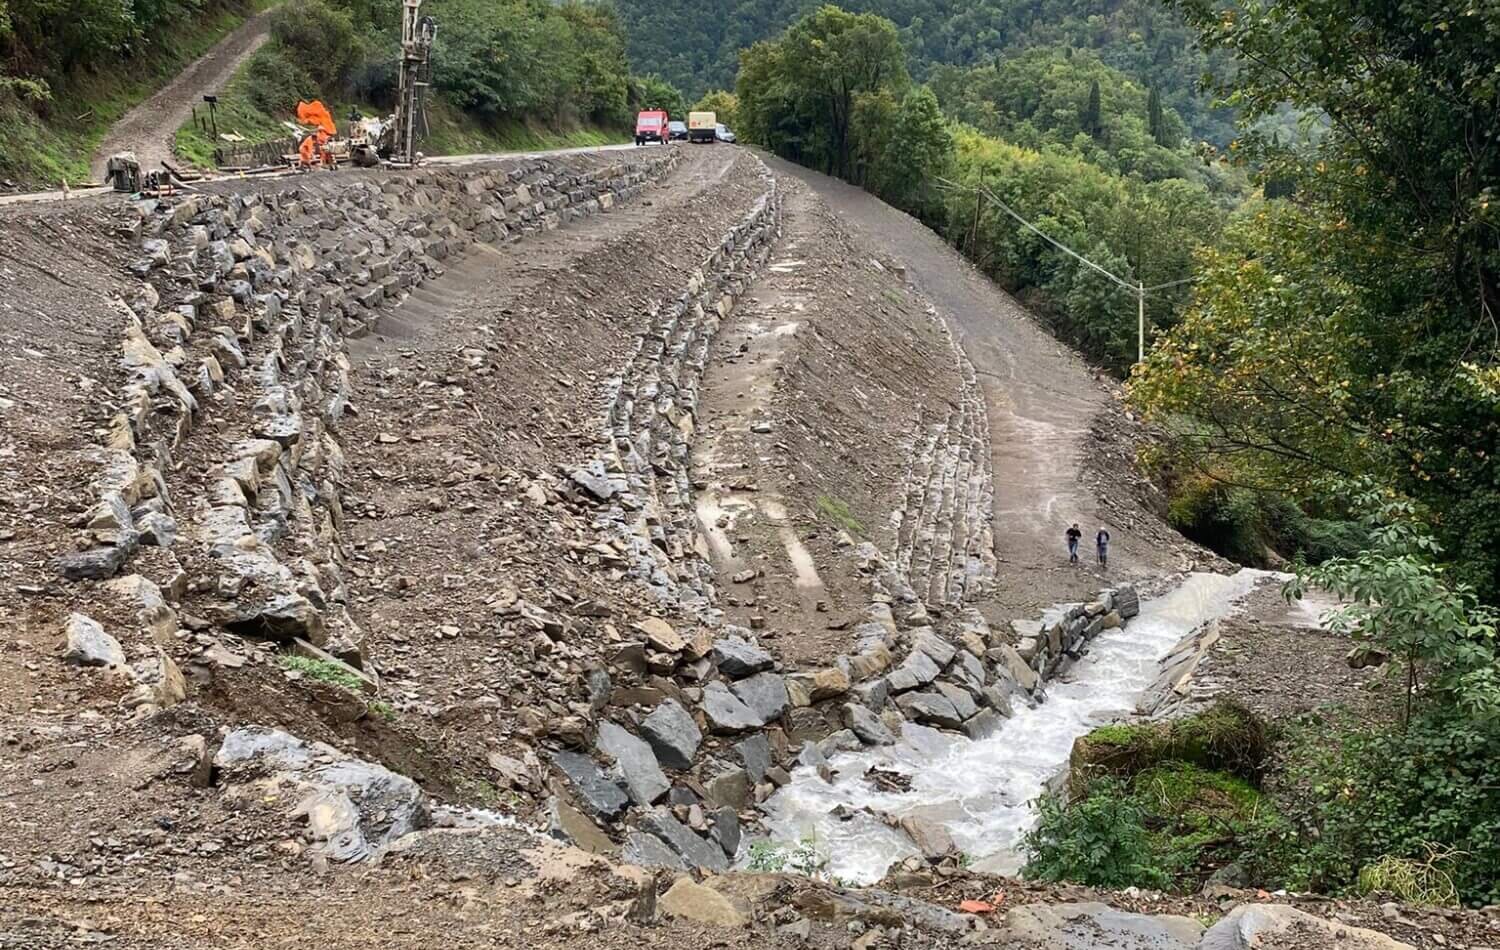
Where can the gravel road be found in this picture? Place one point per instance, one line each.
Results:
(149, 128)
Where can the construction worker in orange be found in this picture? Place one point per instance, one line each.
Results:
(313, 149)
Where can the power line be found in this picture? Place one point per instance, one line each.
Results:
(1139, 289)
(1039, 232)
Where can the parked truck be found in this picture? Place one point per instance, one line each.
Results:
(651, 126)
(702, 126)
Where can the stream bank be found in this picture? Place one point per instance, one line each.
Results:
(889, 803)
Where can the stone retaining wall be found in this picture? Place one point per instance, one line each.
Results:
(246, 301)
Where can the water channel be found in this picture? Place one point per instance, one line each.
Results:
(983, 791)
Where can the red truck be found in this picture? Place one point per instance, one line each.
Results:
(651, 126)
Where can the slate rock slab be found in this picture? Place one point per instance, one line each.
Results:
(673, 735)
(636, 763)
(598, 792)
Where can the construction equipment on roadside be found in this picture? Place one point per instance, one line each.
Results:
(123, 171)
(417, 34)
(313, 140)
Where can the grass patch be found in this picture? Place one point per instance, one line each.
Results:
(1408, 879)
(837, 510)
(1225, 737)
(323, 672)
(37, 151)
(1171, 825)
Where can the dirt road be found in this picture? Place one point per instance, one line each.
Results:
(1042, 401)
(149, 128)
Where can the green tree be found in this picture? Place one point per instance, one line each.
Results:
(722, 103)
(1399, 599)
(1156, 120)
(1092, 120)
(917, 156)
(320, 39)
(654, 92)
(695, 43)
(798, 93)
(1353, 332)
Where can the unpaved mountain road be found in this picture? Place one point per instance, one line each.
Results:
(149, 128)
(1043, 400)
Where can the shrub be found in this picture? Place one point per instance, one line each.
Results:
(277, 83)
(1099, 839)
(318, 38)
(1356, 802)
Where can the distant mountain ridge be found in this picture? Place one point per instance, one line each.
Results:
(695, 44)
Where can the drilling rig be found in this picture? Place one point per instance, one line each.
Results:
(417, 33)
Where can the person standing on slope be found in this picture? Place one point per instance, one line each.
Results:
(1074, 536)
(1101, 541)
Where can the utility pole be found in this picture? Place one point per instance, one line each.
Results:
(1140, 297)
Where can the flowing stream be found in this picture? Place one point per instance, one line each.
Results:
(982, 791)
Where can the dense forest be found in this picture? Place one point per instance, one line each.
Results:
(1059, 136)
(695, 44)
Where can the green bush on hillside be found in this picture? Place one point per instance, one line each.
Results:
(1099, 839)
(319, 38)
(1357, 801)
(276, 82)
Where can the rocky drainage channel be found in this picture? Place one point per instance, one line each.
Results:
(238, 330)
(642, 478)
(695, 731)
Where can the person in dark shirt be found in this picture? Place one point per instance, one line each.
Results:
(1074, 535)
(1101, 541)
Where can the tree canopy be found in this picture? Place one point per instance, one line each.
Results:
(1351, 330)
(695, 43)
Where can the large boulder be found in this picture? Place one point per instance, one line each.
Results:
(867, 726)
(1090, 925)
(764, 693)
(701, 905)
(599, 793)
(804, 689)
(726, 712)
(917, 670)
(635, 762)
(353, 808)
(694, 850)
(673, 735)
(649, 851)
(737, 658)
(930, 708)
(1251, 926)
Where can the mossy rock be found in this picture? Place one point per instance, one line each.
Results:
(1226, 737)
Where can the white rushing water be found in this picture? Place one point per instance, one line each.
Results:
(982, 791)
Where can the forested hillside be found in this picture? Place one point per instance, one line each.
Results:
(68, 70)
(695, 43)
(507, 73)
